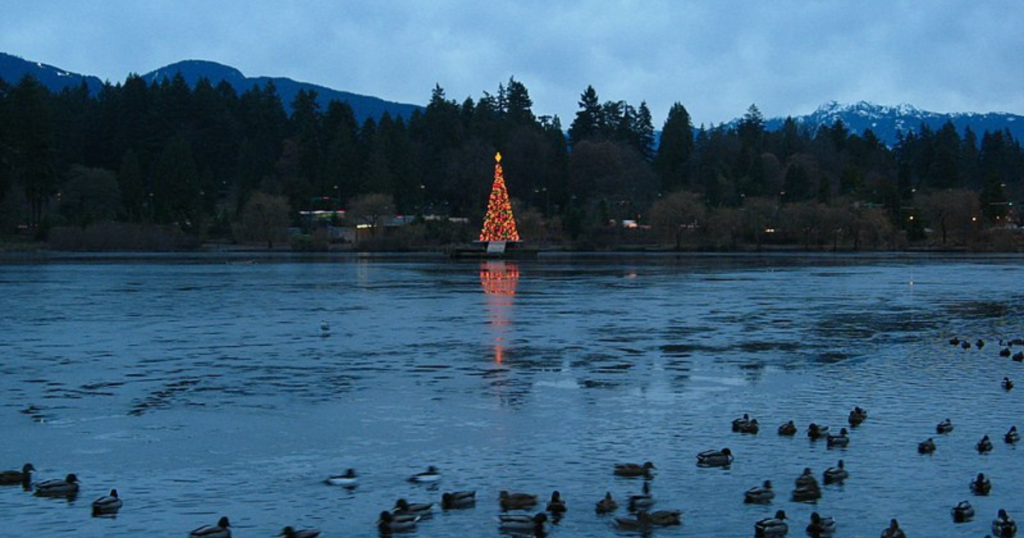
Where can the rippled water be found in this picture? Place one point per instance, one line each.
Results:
(201, 388)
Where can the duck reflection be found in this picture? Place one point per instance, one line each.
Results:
(499, 280)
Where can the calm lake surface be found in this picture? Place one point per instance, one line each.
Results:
(201, 386)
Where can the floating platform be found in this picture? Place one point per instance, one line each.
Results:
(493, 250)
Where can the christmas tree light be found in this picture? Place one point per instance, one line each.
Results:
(499, 224)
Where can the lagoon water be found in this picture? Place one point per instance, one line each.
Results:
(201, 386)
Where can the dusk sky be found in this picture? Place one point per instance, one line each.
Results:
(715, 57)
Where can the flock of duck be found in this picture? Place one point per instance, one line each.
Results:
(405, 516)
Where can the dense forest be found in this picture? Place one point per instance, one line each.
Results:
(166, 165)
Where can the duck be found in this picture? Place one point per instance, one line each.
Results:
(857, 416)
(838, 441)
(641, 521)
(607, 504)
(632, 470)
(962, 512)
(981, 485)
(815, 432)
(643, 501)
(745, 424)
(821, 526)
(965, 345)
(665, 518)
(772, 526)
(458, 499)
(893, 530)
(556, 505)
(979, 344)
(954, 341)
(403, 507)
(807, 489)
(516, 501)
(983, 446)
(388, 522)
(221, 530)
(837, 474)
(788, 429)
(762, 494)
(521, 522)
(325, 328)
(926, 447)
(1003, 526)
(23, 477)
(291, 532)
(1011, 435)
(1005, 352)
(430, 475)
(68, 487)
(1018, 357)
(945, 426)
(107, 504)
(1007, 384)
(348, 479)
(715, 458)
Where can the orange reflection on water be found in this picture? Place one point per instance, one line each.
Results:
(499, 280)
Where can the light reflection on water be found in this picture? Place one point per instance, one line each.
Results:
(199, 389)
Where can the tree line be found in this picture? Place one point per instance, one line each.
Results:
(196, 159)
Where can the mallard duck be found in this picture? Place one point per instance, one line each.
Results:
(606, 505)
(815, 432)
(1018, 356)
(389, 522)
(458, 499)
(518, 522)
(981, 485)
(1003, 526)
(954, 341)
(643, 501)
(759, 494)
(962, 512)
(348, 479)
(1007, 384)
(221, 530)
(430, 475)
(107, 504)
(838, 441)
(556, 505)
(665, 518)
(641, 521)
(1005, 352)
(787, 429)
(857, 416)
(806, 479)
(403, 507)
(745, 424)
(979, 344)
(926, 447)
(772, 526)
(985, 445)
(516, 501)
(807, 489)
(68, 487)
(965, 345)
(634, 469)
(945, 426)
(23, 477)
(837, 474)
(1011, 435)
(290, 532)
(893, 530)
(715, 458)
(821, 526)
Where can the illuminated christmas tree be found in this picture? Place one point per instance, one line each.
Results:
(499, 225)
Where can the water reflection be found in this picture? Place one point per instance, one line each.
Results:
(499, 280)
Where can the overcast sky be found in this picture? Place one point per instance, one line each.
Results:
(716, 57)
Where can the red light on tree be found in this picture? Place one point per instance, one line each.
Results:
(499, 225)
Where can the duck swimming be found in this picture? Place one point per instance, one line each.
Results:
(985, 445)
(837, 474)
(221, 530)
(815, 432)
(857, 416)
(821, 526)
(1003, 526)
(807, 489)
(290, 532)
(665, 518)
(634, 469)
(23, 477)
(787, 429)
(945, 426)
(107, 504)
(403, 507)
(1011, 435)
(348, 480)
(981, 485)
(519, 522)
(838, 441)
(893, 530)
(641, 521)
(430, 475)
(643, 501)
(762, 494)
(516, 501)
(458, 499)
(745, 424)
(68, 487)
(772, 526)
(606, 505)
(926, 447)
(1007, 384)
(388, 522)
(556, 505)
(715, 458)
(962, 512)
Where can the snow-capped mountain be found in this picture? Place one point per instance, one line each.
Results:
(886, 121)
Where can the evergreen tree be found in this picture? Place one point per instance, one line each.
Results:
(588, 122)
(675, 149)
(642, 131)
(134, 195)
(32, 142)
